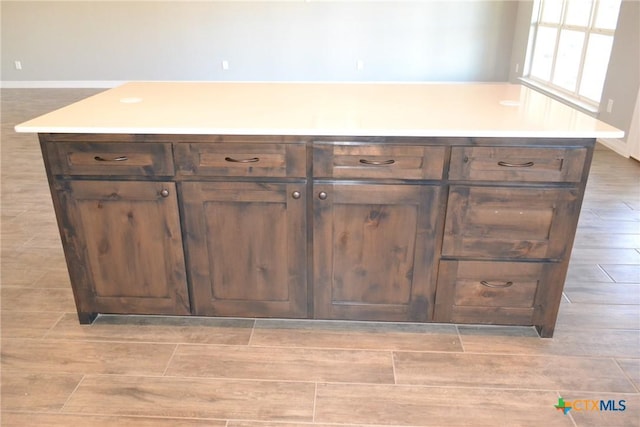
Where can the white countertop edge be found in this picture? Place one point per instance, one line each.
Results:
(329, 132)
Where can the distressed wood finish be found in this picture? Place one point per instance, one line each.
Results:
(373, 251)
(247, 248)
(503, 293)
(358, 161)
(241, 160)
(510, 222)
(111, 158)
(517, 164)
(318, 227)
(123, 246)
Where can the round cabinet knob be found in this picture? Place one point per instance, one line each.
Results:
(295, 195)
(322, 195)
(164, 193)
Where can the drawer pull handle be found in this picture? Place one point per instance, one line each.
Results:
(322, 195)
(115, 159)
(164, 192)
(377, 163)
(251, 160)
(496, 285)
(516, 165)
(296, 195)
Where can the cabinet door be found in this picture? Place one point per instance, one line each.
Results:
(246, 246)
(123, 247)
(373, 251)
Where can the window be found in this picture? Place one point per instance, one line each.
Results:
(571, 46)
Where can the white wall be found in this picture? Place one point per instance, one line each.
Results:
(444, 40)
(623, 76)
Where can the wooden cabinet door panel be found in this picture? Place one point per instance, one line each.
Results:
(246, 245)
(510, 222)
(373, 251)
(124, 246)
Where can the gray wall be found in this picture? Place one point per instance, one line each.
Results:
(296, 40)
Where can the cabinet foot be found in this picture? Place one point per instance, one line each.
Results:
(545, 331)
(87, 318)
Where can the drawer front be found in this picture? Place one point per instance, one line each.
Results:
(257, 160)
(510, 222)
(491, 292)
(517, 164)
(111, 158)
(378, 161)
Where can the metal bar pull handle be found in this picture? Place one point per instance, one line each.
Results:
(516, 165)
(251, 160)
(115, 159)
(496, 285)
(376, 162)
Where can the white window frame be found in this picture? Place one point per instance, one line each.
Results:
(587, 30)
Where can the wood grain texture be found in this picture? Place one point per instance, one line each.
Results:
(246, 159)
(517, 164)
(501, 222)
(142, 159)
(21, 419)
(508, 371)
(247, 248)
(381, 161)
(434, 406)
(155, 329)
(356, 335)
(124, 246)
(373, 251)
(87, 357)
(198, 398)
(36, 391)
(295, 364)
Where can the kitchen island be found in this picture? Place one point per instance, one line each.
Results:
(389, 202)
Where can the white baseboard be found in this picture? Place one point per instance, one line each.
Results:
(617, 145)
(61, 84)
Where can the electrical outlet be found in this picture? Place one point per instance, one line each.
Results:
(359, 65)
(18, 65)
(517, 68)
(610, 106)
(225, 64)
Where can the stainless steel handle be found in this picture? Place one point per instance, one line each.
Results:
(376, 162)
(251, 160)
(296, 195)
(516, 165)
(496, 285)
(322, 195)
(115, 159)
(164, 192)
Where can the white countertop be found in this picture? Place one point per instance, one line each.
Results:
(316, 109)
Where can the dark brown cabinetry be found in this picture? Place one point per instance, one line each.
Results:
(510, 223)
(464, 230)
(375, 227)
(246, 245)
(123, 246)
(374, 251)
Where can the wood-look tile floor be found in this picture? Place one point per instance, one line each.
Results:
(163, 371)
